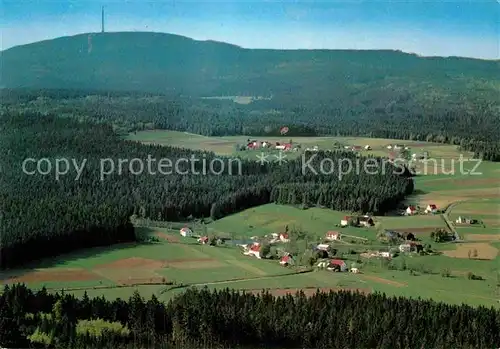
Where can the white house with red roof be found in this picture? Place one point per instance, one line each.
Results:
(411, 210)
(287, 260)
(203, 240)
(333, 235)
(345, 221)
(186, 232)
(284, 237)
(337, 264)
(431, 208)
(252, 250)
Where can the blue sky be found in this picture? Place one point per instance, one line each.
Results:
(429, 28)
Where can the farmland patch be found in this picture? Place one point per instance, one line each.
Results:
(208, 264)
(484, 251)
(382, 280)
(131, 263)
(482, 237)
(54, 275)
(167, 237)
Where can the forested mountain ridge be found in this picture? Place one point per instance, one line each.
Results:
(159, 62)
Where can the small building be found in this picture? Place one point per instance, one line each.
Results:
(356, 148)
(389, 147)
(355, 270)
(367, 147)
(411, 210)
(345, 221)
(252, 250)
(252, 145)
(284, 237)
(186, 232)
(405, 248)
(431, 208)
(287, 260)
(323, 247)
(333, 235)
(203, 240)
(366, 221)
(337, 265)
(385, 254)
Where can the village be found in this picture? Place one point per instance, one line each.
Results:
(394, 151)
(335, 250)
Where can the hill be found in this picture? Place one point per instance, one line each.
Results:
(164, 62)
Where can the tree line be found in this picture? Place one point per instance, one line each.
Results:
(201, 318)
(44, 216)
(471, 124)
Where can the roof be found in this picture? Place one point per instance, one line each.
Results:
(347, 218)
(255, 248)
(364, 218)
(286, 258)
(413, 208)
(284, 235)
(332, 233)
(337, 262)
(185, 229)
(432, 206)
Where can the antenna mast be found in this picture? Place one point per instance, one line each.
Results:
(102, 20)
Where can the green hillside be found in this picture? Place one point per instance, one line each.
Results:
(164, 62)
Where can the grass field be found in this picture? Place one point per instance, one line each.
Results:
(148, 267)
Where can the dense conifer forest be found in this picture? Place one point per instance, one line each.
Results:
(228, 319)
(43, 215)
(473, 125)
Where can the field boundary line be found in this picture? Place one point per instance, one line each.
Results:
(235, 280)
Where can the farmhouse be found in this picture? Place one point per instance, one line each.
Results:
(322, 247)
(284, 237)
(345, 221)
(252, 250)
(431, 208)
(203, 240)
(333, 235)
(285, 146)
(356, 148)
(355, 270)
(366, 221)
(411, 247)
(385, 254)
(389, 146)
(367, 147)
(287, 260)
(186, 232)
(411, 210)
(337, 265)
(252, 144)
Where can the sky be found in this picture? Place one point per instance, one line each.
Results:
(428, 28)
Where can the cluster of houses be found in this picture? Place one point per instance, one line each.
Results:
(357, 147)
(397, 147)
(413, 210)
(255, 144)
(365, 221)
